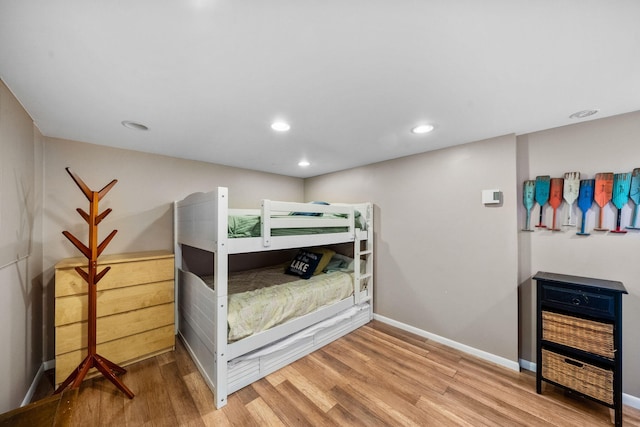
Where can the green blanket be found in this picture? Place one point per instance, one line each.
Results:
(260, 309)
(249, 226)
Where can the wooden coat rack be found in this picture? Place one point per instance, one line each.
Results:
(92, 277)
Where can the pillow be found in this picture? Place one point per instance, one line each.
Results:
(336, 264)
(341, 262)
(310, 213)
(304, 264)
(324, 261)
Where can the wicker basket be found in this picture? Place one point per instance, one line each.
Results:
(579, 376)
(587, 335)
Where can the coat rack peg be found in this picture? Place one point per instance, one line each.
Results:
(83, 214)
(100, 217)
(80, 183)
(106, 189)
(106, 241)
(92, 251)
(82, 273)
(78, 244)
(101, 274)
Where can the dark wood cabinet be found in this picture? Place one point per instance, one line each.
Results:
(579, 337)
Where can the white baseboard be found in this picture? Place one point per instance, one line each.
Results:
(627, 399)
(49, 364)
(453, 344)
(526, 365)
(632, 401)
(34, 385)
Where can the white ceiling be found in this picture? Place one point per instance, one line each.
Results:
(352, 77)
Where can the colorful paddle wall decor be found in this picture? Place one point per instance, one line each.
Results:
(605, 188)
(602, 193)
(634, 195)
(555, 198)
(570, 194)
(620, 196)
(585, 200)
(528, 199)
(542, 195)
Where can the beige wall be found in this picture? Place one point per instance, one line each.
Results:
(141, 200)
(605, 145)
(445, 263)
(35, 182)
(20, 251)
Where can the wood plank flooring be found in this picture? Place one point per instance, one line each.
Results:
(377, 375)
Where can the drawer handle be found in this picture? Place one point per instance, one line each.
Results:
(579, 300)
(574, 363)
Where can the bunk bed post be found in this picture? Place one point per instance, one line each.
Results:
(352, 222)
(177, 265)
(221, 269)
(265, 222)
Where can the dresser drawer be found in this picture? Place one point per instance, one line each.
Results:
(134, 309)
(577, 299)
(586, 335)
(579, 376)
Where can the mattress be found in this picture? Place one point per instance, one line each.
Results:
(256, 304)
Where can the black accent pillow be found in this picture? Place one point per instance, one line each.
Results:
(304, 264)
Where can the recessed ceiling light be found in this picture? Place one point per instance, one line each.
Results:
(133, 125)
(422, 129)
(280, 126)
(303, 163)
(582, 114)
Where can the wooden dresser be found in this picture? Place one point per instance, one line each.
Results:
(135, 312)
(579, 337)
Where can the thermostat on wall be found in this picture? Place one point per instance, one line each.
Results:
(491, 197)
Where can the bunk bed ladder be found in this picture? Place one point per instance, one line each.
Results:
(363, 251)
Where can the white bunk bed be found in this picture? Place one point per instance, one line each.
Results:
(201, 221)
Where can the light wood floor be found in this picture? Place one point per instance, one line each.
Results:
(377, 375)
